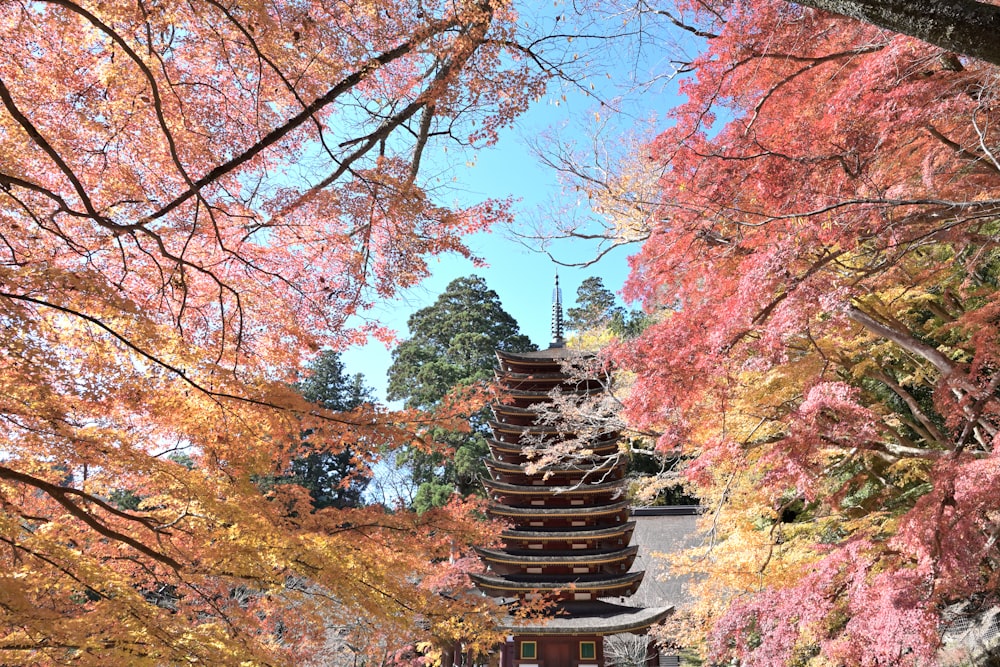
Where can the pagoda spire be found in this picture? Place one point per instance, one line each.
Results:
(557, 316)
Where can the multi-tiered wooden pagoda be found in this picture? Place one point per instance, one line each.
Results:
(569, 535)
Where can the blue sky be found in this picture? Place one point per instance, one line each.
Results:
(522, 277)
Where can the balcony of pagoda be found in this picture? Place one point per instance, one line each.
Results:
(523, 541)
(600, 471)
(546, 382)
(555, 496)
(562, 518)
(561, 565)
(522, 453)
(579, 587)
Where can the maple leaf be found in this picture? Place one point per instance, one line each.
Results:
(197, 198)
(822, 353)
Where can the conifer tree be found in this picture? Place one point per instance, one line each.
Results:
(595, 306)
(332, 476)
(452, 344)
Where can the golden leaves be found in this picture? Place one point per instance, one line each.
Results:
(193, 200)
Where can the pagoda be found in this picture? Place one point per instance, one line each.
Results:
(569, 533)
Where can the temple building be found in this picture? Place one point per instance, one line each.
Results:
(569, 535)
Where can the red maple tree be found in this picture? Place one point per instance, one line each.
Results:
(823, 267)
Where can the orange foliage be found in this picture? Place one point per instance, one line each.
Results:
(194, 198)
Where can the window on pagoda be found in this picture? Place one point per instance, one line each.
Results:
(588, 650)
(529, 650)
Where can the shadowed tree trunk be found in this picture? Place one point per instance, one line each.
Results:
(966, 27)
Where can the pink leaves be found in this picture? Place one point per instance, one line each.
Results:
(825, 288)
(847, 606)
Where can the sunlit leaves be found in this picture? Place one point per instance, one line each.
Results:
(196, 198)
(827, 354)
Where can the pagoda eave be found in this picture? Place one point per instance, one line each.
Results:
(563, 535)
(598, 587)
(504, 562)
(553, 355)
(548, 491)
(534, 397)
(554, 512)
(580, 618)
(547, 429)
(570, 468)
(507, 558)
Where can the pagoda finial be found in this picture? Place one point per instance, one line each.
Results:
(557, 316)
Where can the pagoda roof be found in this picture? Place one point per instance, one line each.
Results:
(552, 354)
(513, 447)
(582, 583)
(525, 428)
(510, 427)
(513, 409)
(574, 490)
(563, 535)
(504, 408)
(595, 617)
(532, 377)
(561, 558)
(603, 467)
(548, 429)
(547, 395)
(573, 511)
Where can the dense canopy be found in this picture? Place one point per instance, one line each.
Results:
(823, 264)
(195, 197)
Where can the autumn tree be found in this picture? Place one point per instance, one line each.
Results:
(822, 263)
(452, 344)
(195, 197)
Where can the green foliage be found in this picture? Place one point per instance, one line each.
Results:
(328, 385)
(647, 470)
(452, 343)
(330, 474)
(596, 307)
(125, 499)
(431, 494)
(182, 459)
(629, 324)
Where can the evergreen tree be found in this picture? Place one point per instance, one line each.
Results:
(595, 307)
(333, 479)
(452, 343)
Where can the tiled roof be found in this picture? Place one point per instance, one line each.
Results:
(592, 617)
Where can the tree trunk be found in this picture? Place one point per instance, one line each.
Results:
(966, 27)
(944, 365)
